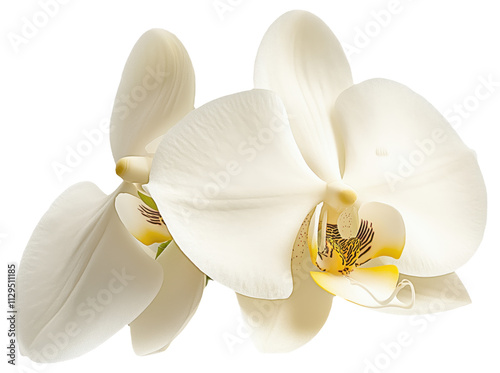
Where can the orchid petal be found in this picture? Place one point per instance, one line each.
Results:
(382, 232)
(433, 295)
(143, 222)
(370, 287)
(302, 61)
(401, 151)
(174, 305)
(82, 277)
(284, 325)
(155, 92)
(233, 189)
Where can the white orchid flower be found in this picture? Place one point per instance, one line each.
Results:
(351, 174)
(83, 276)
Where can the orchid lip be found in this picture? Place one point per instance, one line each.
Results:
(341, 243)
(389, 301)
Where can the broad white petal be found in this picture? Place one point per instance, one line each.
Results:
(143, 222)
(401, 151)
(373, 287)
(302, 61)
(174, 305)
(381, 232)
(155, 92)
(82, 277)
(284, 325)
(233, 189)
(433, 295)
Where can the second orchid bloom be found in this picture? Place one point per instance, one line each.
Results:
(83, 276)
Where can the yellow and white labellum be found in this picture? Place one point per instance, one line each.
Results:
(374, 287)
(339, 250)
(134, 169)
(143, 222)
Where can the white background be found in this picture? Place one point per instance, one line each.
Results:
(63, 81)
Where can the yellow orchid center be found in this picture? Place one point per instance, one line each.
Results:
(339, 255)
(340, 244)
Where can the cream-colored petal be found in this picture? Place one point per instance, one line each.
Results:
(142, 221)
(233, 189)
(82, 277)
(174, 305)
(373, 287)
(381, 232)
(302, 61)
(155, 92)
(433, 295)
(401, 151)
(284, 325)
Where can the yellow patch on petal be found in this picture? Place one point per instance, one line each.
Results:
(149, 237)
(144, 223)
(346, 254)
